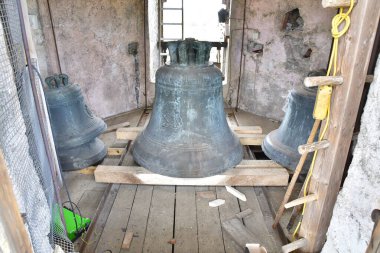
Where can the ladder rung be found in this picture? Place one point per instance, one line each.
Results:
(294, 245)
(336, 3)
(369, 79)
(172, 9)
(171, 39)
(307, 148)
(300, 201)
(313, 81)
(171, 23)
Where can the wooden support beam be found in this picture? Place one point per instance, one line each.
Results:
(294, 245)
(247, 129)
(247, 135)
(128, 133)
(336, 3)
(259, 175)
(307, 148)
(300, 201)
(251, 139)
(355, 50)
(117, 126)
(115, 151)
(313, 81)
(10, 218)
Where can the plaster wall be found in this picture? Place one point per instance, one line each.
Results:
(92, 39)
(267, 75)
(351, 225)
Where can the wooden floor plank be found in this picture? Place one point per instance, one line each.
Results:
(185, 220)
(255, 222)
(160, 223)
(268, 217)
(114, 230)
(227, 211)
(275, 196)
(139, 217)
(210, 238)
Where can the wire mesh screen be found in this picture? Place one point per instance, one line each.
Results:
(21, 140)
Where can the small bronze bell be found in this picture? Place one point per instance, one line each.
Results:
(188, 134)
(281, 145)
(75, 128)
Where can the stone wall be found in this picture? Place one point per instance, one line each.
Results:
(92, 39)
(283, 41)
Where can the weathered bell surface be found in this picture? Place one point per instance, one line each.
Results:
(75, 128)
(188, 134)
(281, 145)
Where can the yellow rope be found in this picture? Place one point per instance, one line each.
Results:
(341, 17)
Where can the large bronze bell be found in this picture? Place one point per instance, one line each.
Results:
(188, 134)
(75, 128)
(281, 145)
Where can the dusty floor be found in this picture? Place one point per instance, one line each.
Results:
(157, 214)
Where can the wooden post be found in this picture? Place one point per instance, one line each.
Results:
(353, 57)
(10, 217)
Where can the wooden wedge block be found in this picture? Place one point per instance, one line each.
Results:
(127, 240)
(236, 193)
(313, 81)
(238, 176)
(216, 202)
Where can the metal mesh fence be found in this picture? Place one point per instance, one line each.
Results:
(21, 140)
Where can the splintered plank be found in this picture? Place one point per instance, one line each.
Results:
(226, 211)
(268, 217)
(160, 223)
(210, 238)
(186, 220)
(275, 195)
(255, 222)
(235, 229)
(239, 176)
(139, 217)
(114, 230)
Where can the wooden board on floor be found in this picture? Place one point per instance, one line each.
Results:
(226, 211)
(248, 135)
(160, 223)
(239, 176)
(114, 230)
(138, 218)
(210, 238)
(186, 230)
(255, 222)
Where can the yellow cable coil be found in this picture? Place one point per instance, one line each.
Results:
(323, 100)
